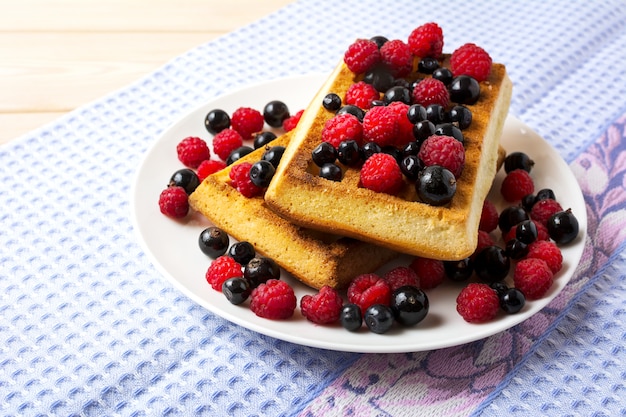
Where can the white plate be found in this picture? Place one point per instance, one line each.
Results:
(172, 245)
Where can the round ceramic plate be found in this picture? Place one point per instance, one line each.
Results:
(173, 248)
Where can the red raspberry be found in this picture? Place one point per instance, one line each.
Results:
(517, 184)
(430, 272)
(221, 269)
(484, 240)
(471, 60)
(192, 151)
(549, 252)
(247, 121)
(380, 125)
(397, 56)
(381, 173)
(533, 277)
(274, 300)
(401, 276)
(368, 289)
(208, 167)
(431, 91)
(426, 41)
(240, 179)
(291, 122)
(542, 230)
(361, 55)
(342, 127)
(173, 202)
(444, 151)
(323, 307)
(225, 142)
(477, 303)
(361, 94)
(405, 127)
(489, 217)
(543, 209)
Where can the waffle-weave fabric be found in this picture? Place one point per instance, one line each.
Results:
(88, 326)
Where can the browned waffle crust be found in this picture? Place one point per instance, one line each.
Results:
(398, 222)
(316, 259)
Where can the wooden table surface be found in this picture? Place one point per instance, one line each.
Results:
(58, 55)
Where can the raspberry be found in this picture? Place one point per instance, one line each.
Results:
(323, 307)
(225, 142)
(426, 41)
(192, 151)
(549, 252)
(247, 121)
(431, 91)
(517, 184)
(405, 127)
(430, 272)
(477, 303)
(397, 56)
(361, 55)
(368, 289)
(342, 127)
(380, 125)
(381, 173)
(208, 167)
(489, 217)
(292, 121)
(471, 60)
(173, 202)
(444, 151)
(533, 277)
(274, 300)
(240, 179)
(543, 209)
(542, 231)
(221, 269)
(401, 276)
(361, 94)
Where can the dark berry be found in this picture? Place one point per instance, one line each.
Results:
(448, 129)
(516, 249)
(273, 155)
(526, 231)
(411, 148)
(435, 113)
(185, 178)
(416, 113)
(353, 110)
(380, 78)
(528, 201)
(242, 252)
(397, 93)
(378, 318)
(563, 227)
(238, 154)
(369, 149)
(499, 286)
(436, 185)
(423, 130)
(427, 65)
(213, 241)
(379, 40)
(460, 270)
(351, 317)
(324, 153)
(464, 90)
(512, 300)
(409, 305)
(275, 112)
(331, 172)
(261, 269)
(237, 290)
(348, 152)
(492, 264)
(518, 160)
(375, 103)
(443, 74)
(397, 154)
(511, 216)
(461, 115)
(261, 173)
(331, 102)
(411, 166)
(216, 121)
(263, 138)
(544, 194)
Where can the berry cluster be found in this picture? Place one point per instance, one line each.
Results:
(414, 115)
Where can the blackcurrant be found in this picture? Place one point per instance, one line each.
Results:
(460, 270)
(351, 317)
(448, 129)
(261, 173)
(397, 93)
(512, 300)
(436, 113)
(275, 112)
(423, 130)
(331, 172)
(563, 226)
(324, 153)
(378, 318)
(185, 178)
(443, 74)
(242, 252)
(511, 216)
(380, 78)
(409, 305)
(216, 121)
(411, 166)
(213, 241)
(461, 115)
(348, 152)
(353, 110)
(416, 113)
(526, 231)
(516, 249)
(263, 138)
(518, 160)
(238, 153)
(427, 65)
(259, 270)
(436, 185)
(368, 149)
(464, 90)
(273, 155)
(492, 264)
(331, 102)
(237, 290)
